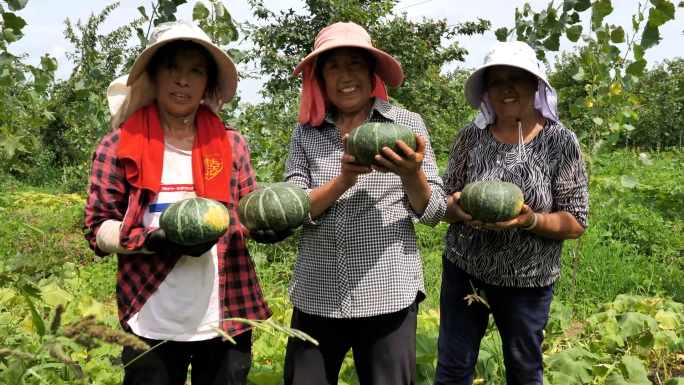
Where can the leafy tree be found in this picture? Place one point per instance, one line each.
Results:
(609, 75)
(78, 106)
(21, 90)
(569, 90)
(661, 108)
(80, 103)
(438, 98)
(286, 38)
(573, 92)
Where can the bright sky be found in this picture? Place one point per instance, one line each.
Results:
(45, 19)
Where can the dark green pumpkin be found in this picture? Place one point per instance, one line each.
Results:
(274, 206)
(492, 201)
(368, 140)
(195, 220)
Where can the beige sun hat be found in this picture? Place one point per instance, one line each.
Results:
(128, 93)
(511, 53)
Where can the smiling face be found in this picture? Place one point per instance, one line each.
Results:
(511, 91)
(181, 74)
(346, 73)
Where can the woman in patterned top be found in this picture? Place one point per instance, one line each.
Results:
(358, 278)
(517, 138)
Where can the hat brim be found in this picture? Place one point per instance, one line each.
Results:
(227, 73)
(387, 67)
(124, 100)
(475, 87)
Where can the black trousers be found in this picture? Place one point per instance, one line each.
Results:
(520, 313)
(384, 348)
(214, 362)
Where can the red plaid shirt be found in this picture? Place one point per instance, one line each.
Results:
(110, 196)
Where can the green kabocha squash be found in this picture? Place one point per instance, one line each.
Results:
(194, 220)
(492, 201)
(275, 206)
(368, 140)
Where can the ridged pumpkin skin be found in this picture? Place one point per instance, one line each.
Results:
(274, 206)
(195, 220)
(367, 140)
(492, 201)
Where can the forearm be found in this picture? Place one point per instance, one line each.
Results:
(108, 237)
(418, 191)
(560, 225)
(325, 196)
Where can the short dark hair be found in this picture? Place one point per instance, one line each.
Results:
(323, 58)
(169, 51)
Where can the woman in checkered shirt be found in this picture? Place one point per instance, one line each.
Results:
(358, 277)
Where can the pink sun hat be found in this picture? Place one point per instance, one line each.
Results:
(343, 34)
(353, 35)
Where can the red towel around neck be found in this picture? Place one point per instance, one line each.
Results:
(141, 148)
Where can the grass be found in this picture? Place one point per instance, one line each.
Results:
(634, 245)
(634, 242)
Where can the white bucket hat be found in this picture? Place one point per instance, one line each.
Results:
(128, 93)
(515, 54)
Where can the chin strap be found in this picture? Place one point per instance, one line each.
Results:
(522, 154)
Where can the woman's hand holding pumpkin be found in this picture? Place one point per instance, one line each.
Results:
(407, 166)
(158, 242)
(268, 236)
(350, 170)
(524, 219)
(460, 214)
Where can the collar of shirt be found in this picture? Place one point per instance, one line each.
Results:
(380, 106)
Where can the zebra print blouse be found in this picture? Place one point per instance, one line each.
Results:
(552, 177)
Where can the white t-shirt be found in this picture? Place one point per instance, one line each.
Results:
(189, 296)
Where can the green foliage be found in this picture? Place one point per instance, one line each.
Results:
(35, 280)
(661, 107)
(80, 107)
(217, 23)
(619, 343)
(66, 119)
(633, 243)
(659, 103)
(286, 38)
(21, 86)
(607, 73)
(632, 247)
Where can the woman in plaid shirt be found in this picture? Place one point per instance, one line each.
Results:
(169, 144)
(358, 278)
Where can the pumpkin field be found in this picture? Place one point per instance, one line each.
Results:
(618, 313)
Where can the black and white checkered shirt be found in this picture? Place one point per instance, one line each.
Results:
(359, 258)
